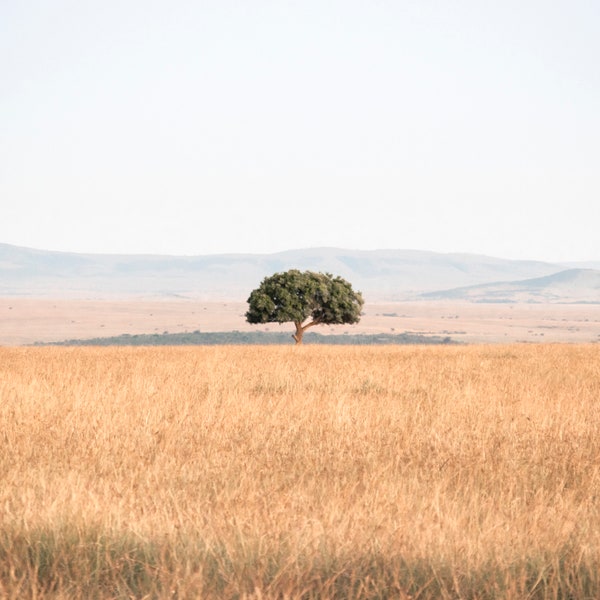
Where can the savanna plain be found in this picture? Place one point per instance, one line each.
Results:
(300, 472)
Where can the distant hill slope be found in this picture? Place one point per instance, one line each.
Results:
(570, 285)
(379, 274)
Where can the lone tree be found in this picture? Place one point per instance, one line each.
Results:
(305, 299)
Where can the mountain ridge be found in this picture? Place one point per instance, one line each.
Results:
(576, 285)
(380, 274)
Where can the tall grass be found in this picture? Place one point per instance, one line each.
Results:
(315, 472)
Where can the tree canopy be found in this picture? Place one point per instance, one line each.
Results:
(304, 298)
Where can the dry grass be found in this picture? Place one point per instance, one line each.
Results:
(315, 472)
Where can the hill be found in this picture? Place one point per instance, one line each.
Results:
(570, 285)
(388, 275)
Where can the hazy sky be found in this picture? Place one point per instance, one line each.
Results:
(257, 126)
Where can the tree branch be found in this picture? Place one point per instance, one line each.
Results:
(310, 324)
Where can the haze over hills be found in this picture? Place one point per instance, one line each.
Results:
(380, 274)
(571, 285)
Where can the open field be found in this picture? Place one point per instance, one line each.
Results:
(300, 472)
(26, 321)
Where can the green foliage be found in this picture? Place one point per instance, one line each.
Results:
(242, 338)
(296, 296)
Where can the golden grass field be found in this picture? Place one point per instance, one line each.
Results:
(300, 472)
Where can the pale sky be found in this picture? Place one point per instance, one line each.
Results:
(147, 126)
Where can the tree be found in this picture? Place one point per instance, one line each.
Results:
(305, 299)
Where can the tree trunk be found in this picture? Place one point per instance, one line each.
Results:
(299, 333)
(300, 329)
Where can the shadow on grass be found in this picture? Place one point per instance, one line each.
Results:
(71, 563)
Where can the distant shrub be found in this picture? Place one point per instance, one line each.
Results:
(197, 338)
